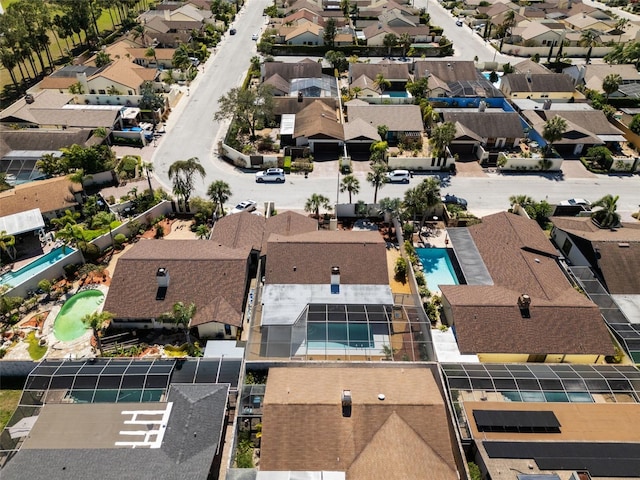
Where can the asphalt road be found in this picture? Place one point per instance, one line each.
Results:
(191, 131)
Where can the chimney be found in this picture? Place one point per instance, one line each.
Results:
(162, 277)
(29, 98)
(335, 280)
(346, 403)
(300, 97)
(528, 74)
(524, 302)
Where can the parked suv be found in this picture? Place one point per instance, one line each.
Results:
(398, 176)
(275, 175)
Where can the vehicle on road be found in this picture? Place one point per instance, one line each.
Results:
(232, 31)
(254, 37)
(453, 200)
(398, 176)
(459, 22)
(275, 175)
(246, 206)
(575, 202)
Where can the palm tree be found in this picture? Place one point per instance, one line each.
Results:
(315, 202)
(103, 220)
(148, 168)
(151, 53)
(72, 235)
(350, 184)
(610, 84)
(428, 195)
(181, 315)
(383, 131)
(7, 244)
(182, 173)
(441, 137)
(79, 177)
(377, 177)
(506, 25)
(606, 216)
(356, 91)
(390, 208)
(202, 231)
(405, 42)
(390, 40)
(620, 26)
(589, 39)
(553, 131)
(69, 218)
(219, 192)
(522, 200)
(98, 322)
(381, 83)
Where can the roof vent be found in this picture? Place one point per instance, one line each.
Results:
(623, 245)
(29, 98)
(524, 302)
(335, 280)
(162, 277)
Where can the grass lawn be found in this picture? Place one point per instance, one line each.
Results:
(36, 352)
(8, 402)
(92, 234)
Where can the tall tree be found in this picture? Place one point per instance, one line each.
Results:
(8, 244)
(606, 216)
(611, 83)
(421, 198)
(247, 106)
(553, 131)
(441, 137)
(350, 184)
(330, 32)
(621, 25)
(588, 39)
(390, 40)
(182, 315)
(219, 192)
(405, 42)
(69, 218)
(182, 173)
(315, 202)
(148, 168)
(377, 177)
(98, 322)
(381, 83)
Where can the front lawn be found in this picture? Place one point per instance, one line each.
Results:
(8, 402)
(36, 351)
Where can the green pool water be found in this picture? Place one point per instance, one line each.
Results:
(68, 324)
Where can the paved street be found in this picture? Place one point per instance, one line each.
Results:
(191, 131)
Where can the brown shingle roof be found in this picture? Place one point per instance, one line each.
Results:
(289, 71)
(374, 440)
(318, 120)
(47, 195)
(242, 230)
(36, 139)
(399, 118)
(287, 224)
(212, 277)
(390, 71)
(488, 124)
(447, 70)
(545, 82)
(307, 258)
(521, 260)
(282, 105)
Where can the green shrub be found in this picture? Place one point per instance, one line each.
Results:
(36, 352)
(420, 279)
(119, 239)
(400, 269)
(44, 285)
(287, 164)
(474, 471)
(407, 231)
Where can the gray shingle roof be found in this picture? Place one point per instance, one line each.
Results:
(488, 124)
(399, 118)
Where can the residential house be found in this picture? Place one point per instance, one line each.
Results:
(372, 423)
(536, 34)
(52, 197)
(374, 34)
(64, 77)
(325, 276)
(585, 129)
(306, 34)
(53, 110)
(452, 78)
(584, 21)
(169, 28)
(517, 305)
(180, 435)
(154, 275)
(364, 75)
(529, 66)
(318, 127)
(592, 76)
(120, 77)
(21, 149)
(401, 120)
(162, 58)
(556, 86)
(484, 132)
(554, 421)
(359, 135)
(280, 74)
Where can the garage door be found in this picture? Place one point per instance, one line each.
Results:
(326, 151)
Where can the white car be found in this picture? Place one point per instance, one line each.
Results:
(275, 175)
(573, 202)
(254, 37)
(246, 206)
(398, 176)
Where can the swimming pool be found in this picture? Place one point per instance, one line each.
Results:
(32, 269)
(488, 74)
(339, 335)
(68, 324)
(396, 94)
(437, 267)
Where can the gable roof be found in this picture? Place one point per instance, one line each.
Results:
(593, 121)
(307, 258)
(306, 27)
(289, 71)
(47, 195)
(618, 251)
(521, 260)
(488, 124)
(536, 82)
(241, 230)
(595, 74)
(21, 111)
(574, 134)
(360, 129)
(287, 224)
(318, 119)
(284, 105)
(211, 276)
(127, 73)
(390, 71)
(398, 118)
(446, 70)
(304, 14)
(35, 139)
(529, 65)
(411, 420)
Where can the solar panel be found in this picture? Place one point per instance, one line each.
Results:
(516, 421)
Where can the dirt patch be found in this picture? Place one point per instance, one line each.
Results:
(166, 229)
(396, 286)
(36, 321)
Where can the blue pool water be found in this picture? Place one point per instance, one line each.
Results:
(339, 335)
(29, 271)
(437, 267)
(397, 94)
(488, 74)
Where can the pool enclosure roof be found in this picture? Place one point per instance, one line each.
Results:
(621, 382)
(324, 86)
(22, 222)
(473, 268)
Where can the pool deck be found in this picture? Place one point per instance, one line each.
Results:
(431, 237)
